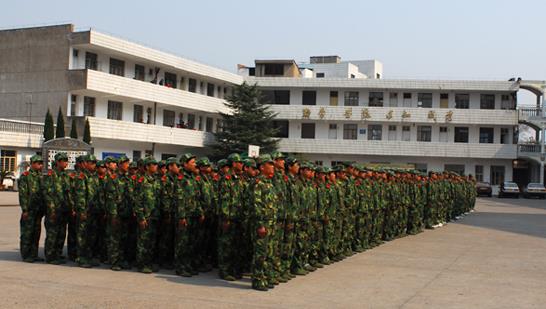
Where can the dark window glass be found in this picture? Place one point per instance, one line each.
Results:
(486, 135)
(138, 113)
(351, 98)
(115, 110)
(209, 124)
(282, 128)
(424, 133)
(139, 72)
(89, 106)
(376, 99)
(309, 97)
(425, 99)
(210, 90)
(461, 135)
(91, 61)
(171, 80)
(307, 130)
(191, 121)
(274, 69)
(192, 85)
(462, 100)
(487, 101)
(349, 131)
(320, 75)
(117, 67)
(168, 118)
(375, 132)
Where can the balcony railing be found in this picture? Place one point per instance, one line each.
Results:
(20, 126)
(530, 112)
(533, 148)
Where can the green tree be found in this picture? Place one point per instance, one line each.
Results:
(73, 130)
(87, 132)
(250, 123)
(60, 124)
(49, 130)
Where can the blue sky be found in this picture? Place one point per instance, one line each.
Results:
(414, 39)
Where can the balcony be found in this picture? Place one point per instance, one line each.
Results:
(139, 132)
(396, 114)
(399, 148)
(132, 90)
(17, 133)
(534, 115)
(532, 151)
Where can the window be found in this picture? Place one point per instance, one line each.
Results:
(462, 100)
(333, 98)
(497, 175)
(320, 75)
(421, 167)
(443, 134)
(192, 85)
(137, 154)
(202, 87)
(307, 130)
(218, 91)
(375, 132)
(392, 133)
(457, 168)
(349, 131)
(170, 80)
(114, 110)
(117, 67)
(444, 100)
(138, 113)
(8, 160)
(73, 99)
(91, 61)
(406, 133)
(507, 102)
(89, 106)
(168, 118)
(209, 124)
(478, 172)
(424, 100)
(505, 136)
(461, 135)
(165, 156)
(309, 97)
(376, 99)
(393, 99)
(191, 121)
(424, 133)
(351, 98)
(139, 72)
(487, 101)
(332, 131)
(406, 99)
(218, 125)
(210, 89)
(274, 69)
(282, 128)
(486, 135)
(277, 96)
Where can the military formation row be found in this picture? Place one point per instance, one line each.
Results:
(273, 217)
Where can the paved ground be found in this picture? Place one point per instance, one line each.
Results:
(493, 258)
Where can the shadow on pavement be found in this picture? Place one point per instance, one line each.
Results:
(520, 223)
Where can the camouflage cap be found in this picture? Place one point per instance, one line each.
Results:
(101, 163)
(162, 163)
(79, 159)
(123, 159)
(204, 161)
(222, 163)
(61, 156)
(234, 157)
(133, 165)
(265, 158)
(319, 169)
(305, 165)
(337, 168)
(186, 157)
(36, 158)
(150, 160)
(109, 159)
(90, 158)
(171, 160)
(277, 155)
(291, 161)
(249, 163)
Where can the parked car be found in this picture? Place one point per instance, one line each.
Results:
(534, 190)
(509, 188)
(484, 188)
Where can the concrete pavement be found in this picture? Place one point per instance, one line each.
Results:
(493, 258)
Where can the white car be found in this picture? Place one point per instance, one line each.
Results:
(509, 188)
(534, 190)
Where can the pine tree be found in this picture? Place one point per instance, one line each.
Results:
(87, 132)
(251, 123)
(49, 130)
(60, 124)
(73, 130)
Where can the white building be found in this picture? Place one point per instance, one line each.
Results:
(141, 101)
(138, 100)
(331, 111)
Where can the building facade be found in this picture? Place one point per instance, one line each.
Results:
(142, 101)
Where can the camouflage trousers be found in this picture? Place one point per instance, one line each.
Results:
(117, 231)
(72, 237)
(165, 248)
(314, 233)
(415, 218)
(55, 235)
(87, 237)
(146, 244)
(30, 235)
(262, 267)
(288, 247)
(182, 252)
(229, 238)
(301, 257)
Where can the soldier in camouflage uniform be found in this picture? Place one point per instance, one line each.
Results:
(147, 213)
(280, 182)
(292, 207)
(230, 220)
(32, 207)
(264, 201)
(114, 205)
(207, 229)
(165, 240)
(57, 199)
